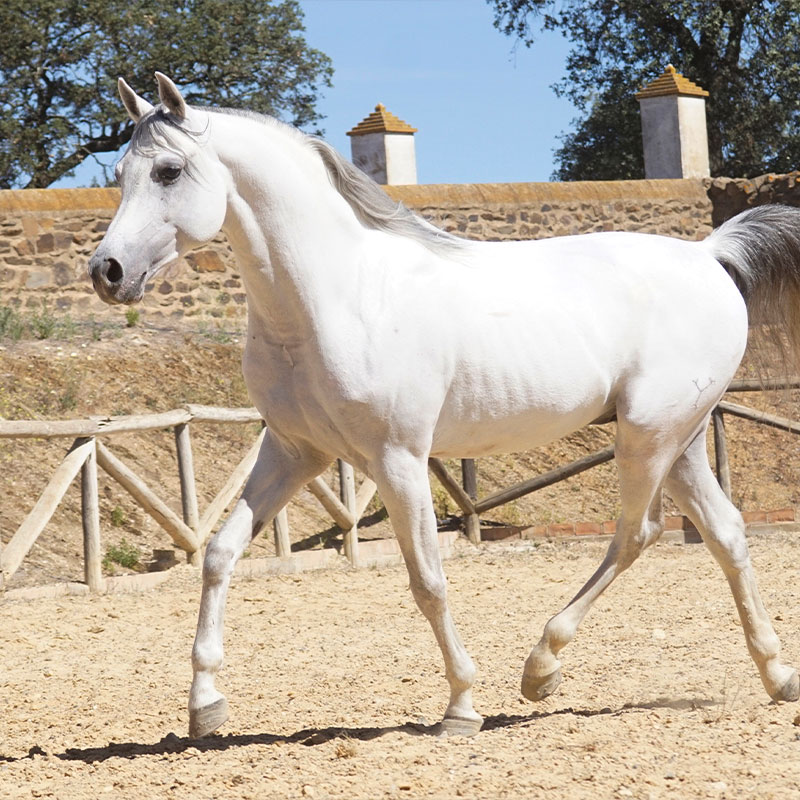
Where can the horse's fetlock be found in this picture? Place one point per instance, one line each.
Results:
(206, 657)
(462, 678)
(557, 634)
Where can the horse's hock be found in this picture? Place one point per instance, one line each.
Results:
(48, 235)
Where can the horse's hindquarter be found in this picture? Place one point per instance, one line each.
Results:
(554, 333)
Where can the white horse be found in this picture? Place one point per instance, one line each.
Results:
(374, 337)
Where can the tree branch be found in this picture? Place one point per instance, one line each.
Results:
(99, 144)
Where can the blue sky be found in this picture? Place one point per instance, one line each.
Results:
(484, 108)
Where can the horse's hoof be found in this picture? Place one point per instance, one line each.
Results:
(538, 687)
(204, 721)
(459, 726)
(790, 690)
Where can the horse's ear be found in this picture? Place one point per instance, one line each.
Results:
(135, 105)
(170, 96)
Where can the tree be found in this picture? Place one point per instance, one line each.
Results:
(743, 52)
(60, 59)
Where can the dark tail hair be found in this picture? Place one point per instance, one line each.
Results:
(760, 249)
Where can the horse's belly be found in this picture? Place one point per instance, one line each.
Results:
(480, 422)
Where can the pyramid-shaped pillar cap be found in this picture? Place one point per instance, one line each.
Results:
(381, 121)
(670, 82)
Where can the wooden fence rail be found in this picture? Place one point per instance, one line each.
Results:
(191, 531)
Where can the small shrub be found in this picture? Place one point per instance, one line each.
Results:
(68, 401)
(11, 324)
(441, 502)
(346, 747)
(118, 517)
(124, 554)
(132, 317)
(67, 327)
(43, 323)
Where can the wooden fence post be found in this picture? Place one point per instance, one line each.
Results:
(90, 514)
(347, 492)
(469, 479)
(721, 452)
(283, 547)
(453, 488)
(191, 513)
(22, 541)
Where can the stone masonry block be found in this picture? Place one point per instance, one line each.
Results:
(206, 261)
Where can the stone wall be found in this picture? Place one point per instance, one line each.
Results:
(729, 196)
(495, 212)
(47, 236)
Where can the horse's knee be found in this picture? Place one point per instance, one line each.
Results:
(218, 562)
(729, 548)
(723, 532)
(430, 593)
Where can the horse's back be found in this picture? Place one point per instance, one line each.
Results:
(559, 332)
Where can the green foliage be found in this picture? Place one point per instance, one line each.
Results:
(124, 554)
(42, 322)
(743, 53)
(131, 317)
(442, 504)
(60, 61)
(11, 324)
(118, 517)
(68, 399)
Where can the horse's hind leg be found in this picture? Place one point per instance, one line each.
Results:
(402, 480)
(693, 487)
(641, 473)
(275, 478)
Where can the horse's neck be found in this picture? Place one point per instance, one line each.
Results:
(295, 238)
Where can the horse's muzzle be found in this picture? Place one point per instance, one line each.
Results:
(108, 279)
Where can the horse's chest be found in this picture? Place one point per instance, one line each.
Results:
(288, 387)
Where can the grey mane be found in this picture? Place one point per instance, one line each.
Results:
(373, 207)
(376, 209)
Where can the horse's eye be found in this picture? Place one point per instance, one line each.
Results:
(168, 173)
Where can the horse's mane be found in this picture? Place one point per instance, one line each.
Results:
(373, 207)
(376, 209)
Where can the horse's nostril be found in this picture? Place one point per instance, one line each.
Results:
(113, 270)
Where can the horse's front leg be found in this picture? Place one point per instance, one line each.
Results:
(402, 480)
(276, 477)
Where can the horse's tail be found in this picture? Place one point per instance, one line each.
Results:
(760, 249)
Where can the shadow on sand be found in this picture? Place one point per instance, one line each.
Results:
(310, 737)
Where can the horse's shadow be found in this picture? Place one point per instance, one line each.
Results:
(310, 737)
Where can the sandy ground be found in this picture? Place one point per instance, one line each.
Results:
(334, 679)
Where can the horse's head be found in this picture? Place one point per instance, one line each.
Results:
(174, 194)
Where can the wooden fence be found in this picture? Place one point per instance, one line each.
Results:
(191, 532)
